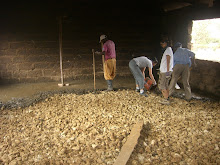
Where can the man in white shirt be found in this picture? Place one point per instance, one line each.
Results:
(166, 68)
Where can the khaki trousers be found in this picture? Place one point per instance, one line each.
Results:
(110, 69)
(181, 70)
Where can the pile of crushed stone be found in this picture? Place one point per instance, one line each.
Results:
(92, 128)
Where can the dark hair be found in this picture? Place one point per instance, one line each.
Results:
(154, 59)
(177, 45)
(165, 38)
(165, 41)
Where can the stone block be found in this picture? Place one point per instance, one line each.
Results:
(51, 72)
(47, 44)
(25, 66)
(55, 65)
(2, 53)
(67, 73)
(35, 73)
(18, 45)
(35, 58)
(55, 78)
(213, 72)
(42, 58)
(38, 51)
(53, 51)
(122, 62)
(86, 71)
(67, 65)
(3, 67)
(43, 79)
(67, 51)
(18, 59)
(27, 80)
(22, 52)
(6, 74)
(6, 59)
(11, 52)
(20, 74)
(43, 65)
(52, 58)
(3, 45)
(12, 67)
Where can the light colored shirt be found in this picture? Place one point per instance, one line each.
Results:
(109, 49)
(143, 62)
(183, 56)
(163, 64)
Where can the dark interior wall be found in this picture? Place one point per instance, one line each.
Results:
(178, 25)
(29, 37)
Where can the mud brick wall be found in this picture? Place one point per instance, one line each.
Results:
(34, 60)
(29, 48)
(205, 77)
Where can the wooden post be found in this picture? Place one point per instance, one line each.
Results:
(131, 142)
(61, 49)
(103, 63)
(94, 68)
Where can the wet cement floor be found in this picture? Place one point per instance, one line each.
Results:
(25, 94)
(15, 91)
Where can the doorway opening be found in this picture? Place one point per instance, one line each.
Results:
(205, 41)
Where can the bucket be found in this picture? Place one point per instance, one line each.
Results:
(148, 83)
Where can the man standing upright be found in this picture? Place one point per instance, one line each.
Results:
(108, 49)
(166, 68)
(183, 59)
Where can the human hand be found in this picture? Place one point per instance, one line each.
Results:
(93, 51)
(155, 83)
(168, 74)
(97, 52)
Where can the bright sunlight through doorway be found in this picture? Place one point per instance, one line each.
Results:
(206, 39)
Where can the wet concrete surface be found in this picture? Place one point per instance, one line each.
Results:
(26, 94)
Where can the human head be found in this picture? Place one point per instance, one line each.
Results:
(178, 45)
(103, 38)
(154, 61)
(164, 43)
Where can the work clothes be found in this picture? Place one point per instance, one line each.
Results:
(110, 69)
(138, 75)
(163, 81)
(143, 62)
(181, 70)
(163, 64)
(109, 49)
(183, 56)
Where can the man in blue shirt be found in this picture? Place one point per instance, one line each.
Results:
(183, 59)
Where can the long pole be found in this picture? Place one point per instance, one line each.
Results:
(94, 67)
(61, 49)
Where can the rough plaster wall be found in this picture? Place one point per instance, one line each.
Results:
(206, 76)
(29, 44)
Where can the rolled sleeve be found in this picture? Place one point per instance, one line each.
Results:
(104, 49)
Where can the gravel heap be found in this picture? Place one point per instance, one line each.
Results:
(91, 129)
